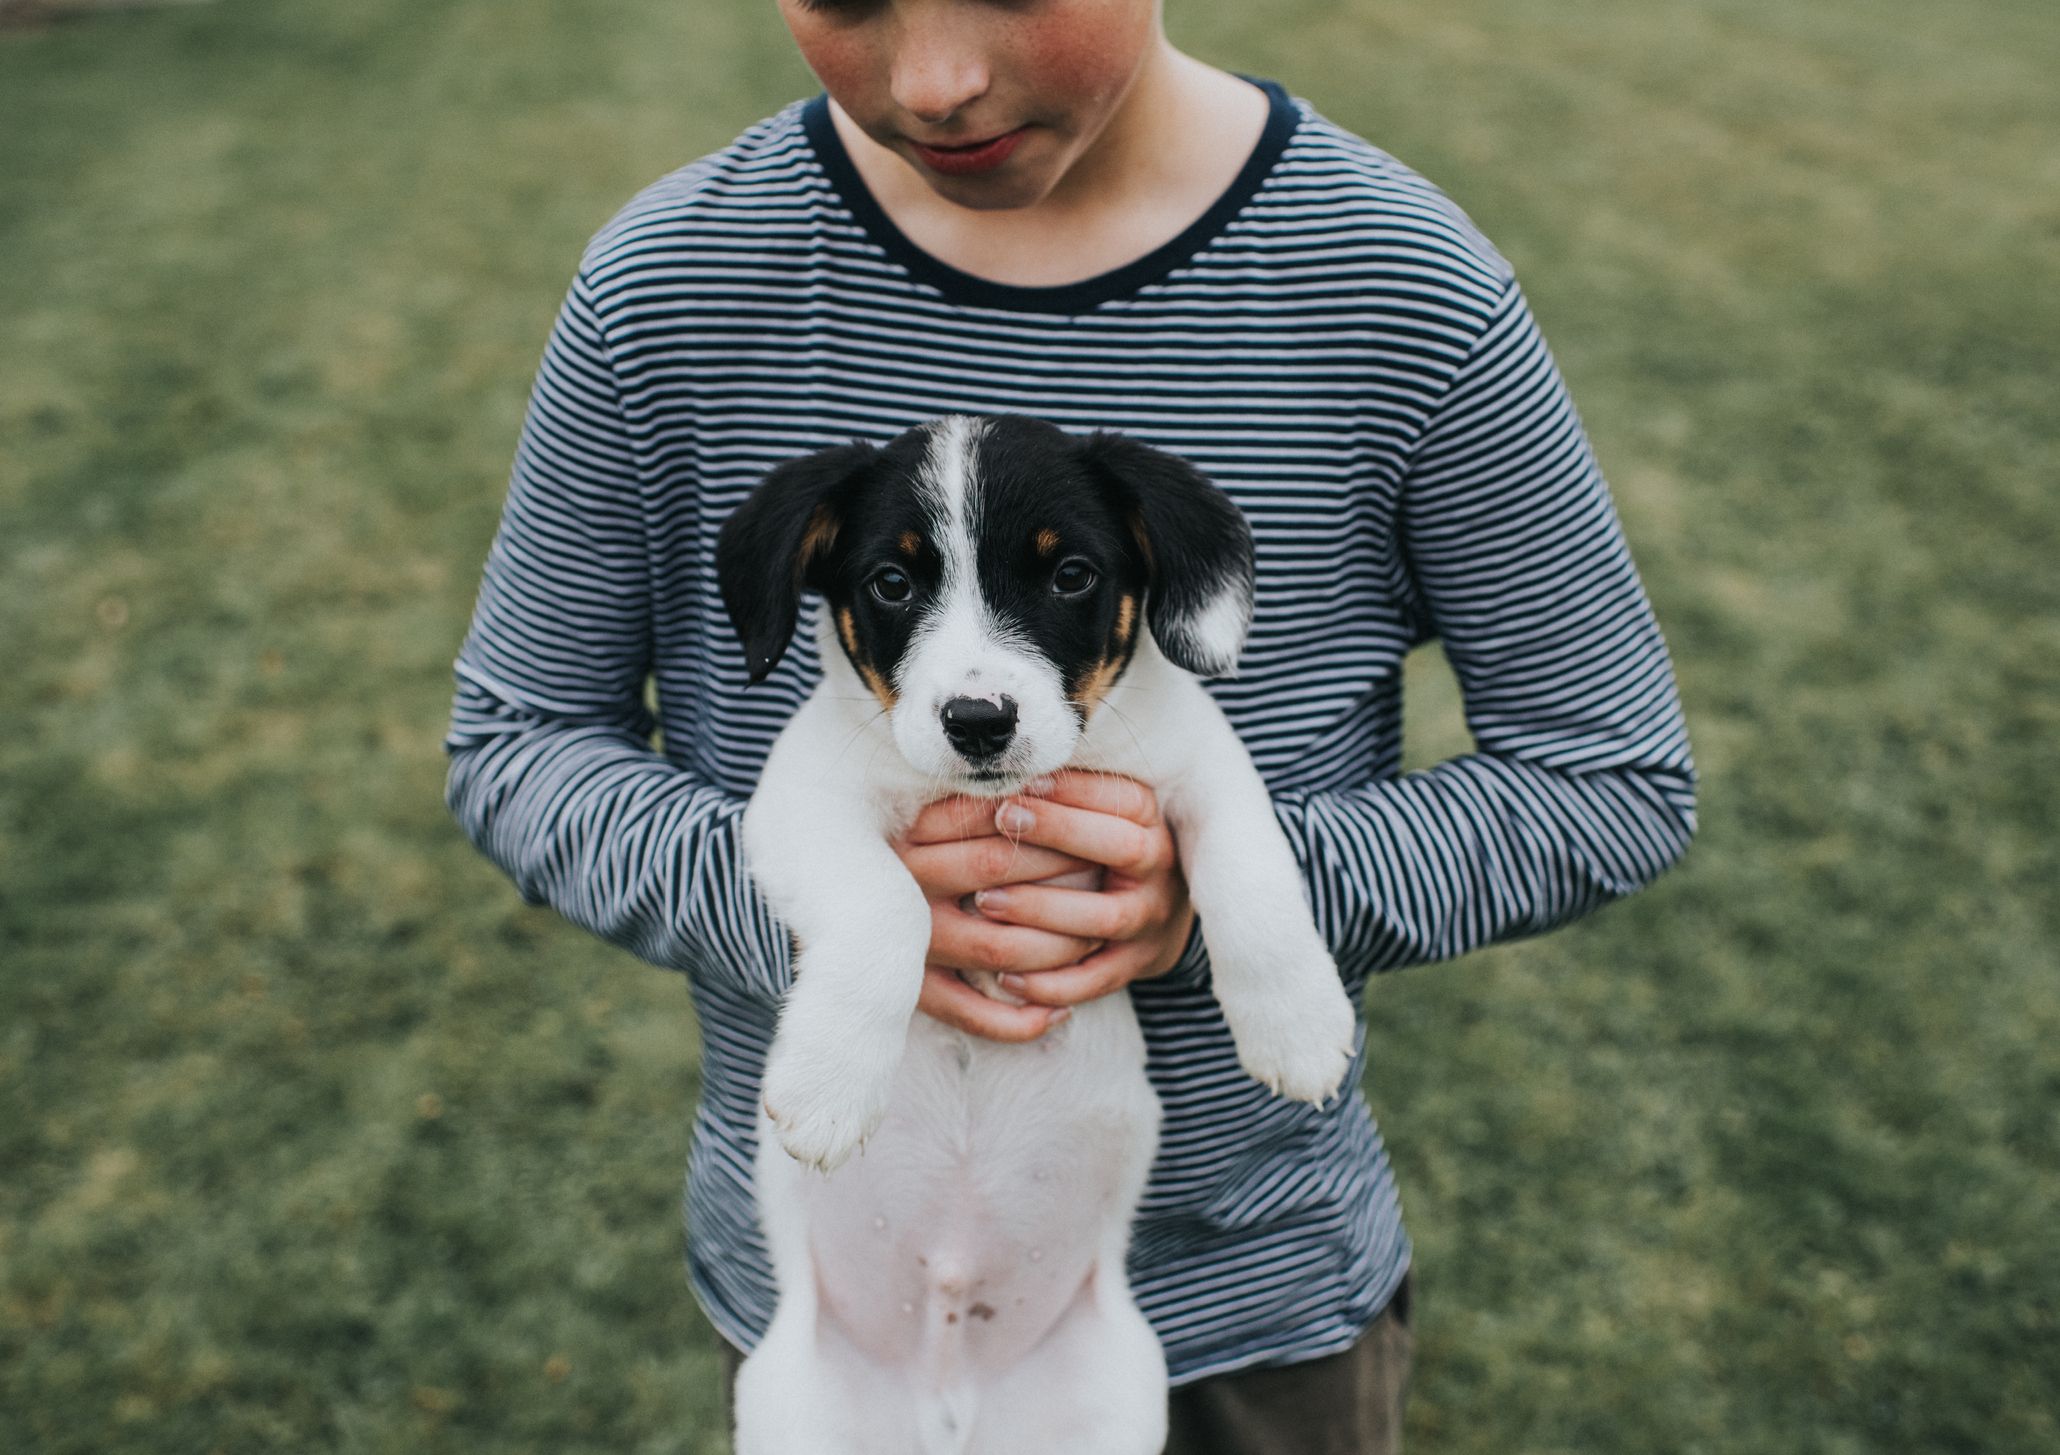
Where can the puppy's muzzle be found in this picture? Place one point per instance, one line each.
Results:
(977, 728)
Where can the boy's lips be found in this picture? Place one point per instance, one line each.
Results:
(980, 156)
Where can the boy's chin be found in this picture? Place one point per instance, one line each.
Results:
(998, 194)
(1017, 183)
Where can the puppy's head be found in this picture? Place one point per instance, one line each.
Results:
(989, 580)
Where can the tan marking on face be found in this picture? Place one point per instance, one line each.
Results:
(910, 543)
(1096, 684)
(878, 684)
(817, 539)
(1047, 541)
(1126, 618)
(847, 629)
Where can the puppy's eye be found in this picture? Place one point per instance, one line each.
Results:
(1073, 578)
(892, 586)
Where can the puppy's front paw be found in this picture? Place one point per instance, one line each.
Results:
(1294, 1030)
(825, 1098)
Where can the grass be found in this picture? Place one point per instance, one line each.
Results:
(319, 1140)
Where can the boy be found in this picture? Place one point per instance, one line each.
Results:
(1041, 207)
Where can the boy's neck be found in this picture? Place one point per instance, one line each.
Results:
(1176, 144)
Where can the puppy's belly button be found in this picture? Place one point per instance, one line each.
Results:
(957, 1271)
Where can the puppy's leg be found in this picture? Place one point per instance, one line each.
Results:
(818, 849)
(807, 1389)
(785, 1400)
(1095, 1385)
(1279, 988)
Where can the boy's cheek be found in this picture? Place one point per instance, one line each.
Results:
(1090, 56)
(1073, 57)
(838, 54)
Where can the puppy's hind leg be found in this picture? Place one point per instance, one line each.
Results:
(806, 1390)
(1095, 1385)
(780, 1399)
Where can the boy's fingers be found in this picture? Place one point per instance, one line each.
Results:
(964, 817)
(1102, 792)
(949, 999)
(1105, 838)
(951, 819)
(950, 870)
(1103, 973)
(971, 942)
(1116, 914)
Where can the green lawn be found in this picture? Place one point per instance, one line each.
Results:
(313, 1138)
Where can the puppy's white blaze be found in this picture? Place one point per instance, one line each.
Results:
(947, 481)
(959, 649)
(1215, 634)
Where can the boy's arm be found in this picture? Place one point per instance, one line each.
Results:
(552, 773)
(1581, 789)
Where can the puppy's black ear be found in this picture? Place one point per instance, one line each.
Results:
(772, 543)
(1197, 549)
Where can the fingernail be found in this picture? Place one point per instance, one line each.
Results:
(1059, 1015)
(1015, 816)
(991, 899)
(1010, 980)
(1041, 785)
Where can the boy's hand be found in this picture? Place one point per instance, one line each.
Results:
(978, 861)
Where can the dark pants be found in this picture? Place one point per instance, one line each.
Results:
(1343, 1404)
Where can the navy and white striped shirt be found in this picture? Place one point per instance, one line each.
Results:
(1334, 344)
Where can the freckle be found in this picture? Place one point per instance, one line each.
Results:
(982, 1311)
(951, 1318)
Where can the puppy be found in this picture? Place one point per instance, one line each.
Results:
(1002, 600)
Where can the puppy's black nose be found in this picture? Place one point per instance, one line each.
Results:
(979, 728)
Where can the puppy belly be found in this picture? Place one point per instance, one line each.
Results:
(981, 1208)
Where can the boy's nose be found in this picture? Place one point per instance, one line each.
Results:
(939, 66)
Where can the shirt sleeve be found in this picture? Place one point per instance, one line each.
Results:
(1581, 788)
(552, 772)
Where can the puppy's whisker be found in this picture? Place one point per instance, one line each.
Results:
(855, 732)
(963, 811)
(1137, 741)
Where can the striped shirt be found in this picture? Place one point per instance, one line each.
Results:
(1335, 345)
